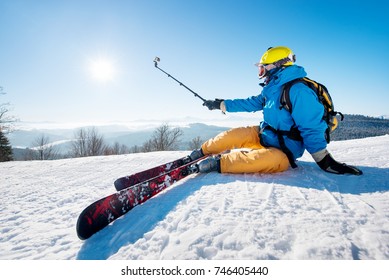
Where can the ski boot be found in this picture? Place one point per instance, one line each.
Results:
(208, 165)
(196, 154)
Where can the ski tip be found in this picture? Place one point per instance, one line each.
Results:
(118, 184)
(121, 184)
(82, 231)
(83, 228)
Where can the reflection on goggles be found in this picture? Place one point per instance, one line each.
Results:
(261, 70)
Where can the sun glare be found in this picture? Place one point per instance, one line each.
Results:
(102, 70)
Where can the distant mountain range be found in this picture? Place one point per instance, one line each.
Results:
(353, 126)
(358, 126)
(62, 138)
(112, 134)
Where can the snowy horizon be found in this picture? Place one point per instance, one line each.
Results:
(232, 120)
(222, 120)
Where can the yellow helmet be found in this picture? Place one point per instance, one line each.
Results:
(275, 54)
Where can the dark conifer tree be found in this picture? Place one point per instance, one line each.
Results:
(5, 148)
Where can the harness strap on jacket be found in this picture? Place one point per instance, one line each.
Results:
(293, 134)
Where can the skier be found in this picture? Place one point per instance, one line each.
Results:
(266, 150)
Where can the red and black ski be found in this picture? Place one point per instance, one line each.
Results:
(131, 180)
(104, 211)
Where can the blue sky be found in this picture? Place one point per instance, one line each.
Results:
(50, 51)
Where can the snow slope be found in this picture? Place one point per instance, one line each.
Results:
(298, 214)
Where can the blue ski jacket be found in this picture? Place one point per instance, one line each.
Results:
(307, 113)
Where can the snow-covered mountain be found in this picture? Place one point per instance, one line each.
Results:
(298, 214)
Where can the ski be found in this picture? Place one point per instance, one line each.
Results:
(131, 180)
(104, 211)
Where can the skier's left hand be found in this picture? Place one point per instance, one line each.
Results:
(328, 164)
(213, 104)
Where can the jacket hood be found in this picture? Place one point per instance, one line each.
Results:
(287, 74)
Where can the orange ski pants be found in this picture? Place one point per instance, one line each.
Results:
(247, 155)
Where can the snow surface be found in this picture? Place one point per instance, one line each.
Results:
(298, 214)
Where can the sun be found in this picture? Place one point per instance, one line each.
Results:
(102, 69)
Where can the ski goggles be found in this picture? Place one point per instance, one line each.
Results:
(263, 69)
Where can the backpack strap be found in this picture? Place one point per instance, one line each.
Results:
(293, 134)
(285, 95)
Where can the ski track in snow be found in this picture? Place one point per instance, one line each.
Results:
(298, 214)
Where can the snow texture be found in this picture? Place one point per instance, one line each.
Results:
(298, 214)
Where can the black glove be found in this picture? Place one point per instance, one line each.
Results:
(328, 164)
(213, 104)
